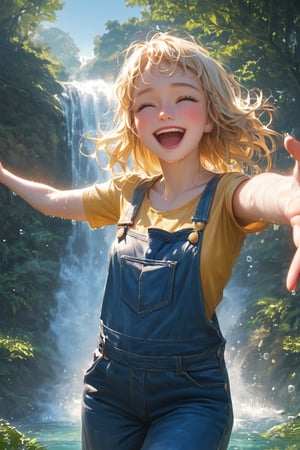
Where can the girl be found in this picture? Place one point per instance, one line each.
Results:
(158, 379)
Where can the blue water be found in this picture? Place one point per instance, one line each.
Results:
(66, 436)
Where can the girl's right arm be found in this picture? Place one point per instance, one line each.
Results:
(66, 204)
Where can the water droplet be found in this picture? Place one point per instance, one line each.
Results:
(266, 356)
(291, 388)
(21, 232)
(249, 258)
(293, 292)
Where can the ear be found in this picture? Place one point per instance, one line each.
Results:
(208, 126)
(210, 119)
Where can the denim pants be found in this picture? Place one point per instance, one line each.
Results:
(128, 408)
(158, 379)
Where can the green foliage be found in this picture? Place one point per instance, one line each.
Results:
(270, 351)
(29, 269)
(12, 439)
(258, 40)
(288, 431)
(62, 47)
(292, 344)
(32, 141)
(108, 48)
(281, 317)
(15, 348)
(20, 18)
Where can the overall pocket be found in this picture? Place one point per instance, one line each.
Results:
(146, 284)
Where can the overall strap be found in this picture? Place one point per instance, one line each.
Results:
(200, 215)
(137, 198)
(202, 211)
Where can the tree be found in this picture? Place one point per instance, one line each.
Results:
(258, 39)
(61, 46)
(20, 18)
(108, 47)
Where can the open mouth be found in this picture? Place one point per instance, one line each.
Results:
(169, 137)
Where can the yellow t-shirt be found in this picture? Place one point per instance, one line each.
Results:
(222, 240)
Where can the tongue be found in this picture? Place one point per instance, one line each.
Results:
(170, 139)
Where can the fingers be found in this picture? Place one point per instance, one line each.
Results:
(292, 146)
(294, 272)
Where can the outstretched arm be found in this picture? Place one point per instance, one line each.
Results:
(274, 198)
(66, 204)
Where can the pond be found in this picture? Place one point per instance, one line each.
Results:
(246, 435)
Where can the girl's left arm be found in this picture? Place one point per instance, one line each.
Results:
(274, 198)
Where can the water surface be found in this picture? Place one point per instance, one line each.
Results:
(66, 436)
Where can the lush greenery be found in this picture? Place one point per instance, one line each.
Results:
(12, 439)
(286, 431)
(260, 42)
(32, 142)
(62, 47)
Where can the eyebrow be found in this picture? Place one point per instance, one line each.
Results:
(142, 91)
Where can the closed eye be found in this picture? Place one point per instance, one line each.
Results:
(143, 106)
(187, 98)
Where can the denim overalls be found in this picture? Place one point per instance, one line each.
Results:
(158, 380)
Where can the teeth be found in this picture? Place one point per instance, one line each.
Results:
(169, 130)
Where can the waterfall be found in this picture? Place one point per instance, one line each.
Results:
(83, 265)
(83, 272)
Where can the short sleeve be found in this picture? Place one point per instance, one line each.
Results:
(104, 202)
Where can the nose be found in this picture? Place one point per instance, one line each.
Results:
(166, 114)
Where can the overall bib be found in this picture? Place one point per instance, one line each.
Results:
(158, 380)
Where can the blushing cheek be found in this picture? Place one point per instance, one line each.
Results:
(140, 123)
(193, 114)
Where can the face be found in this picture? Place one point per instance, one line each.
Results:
(170, 113)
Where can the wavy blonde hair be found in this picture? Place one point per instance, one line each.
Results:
(239, 139)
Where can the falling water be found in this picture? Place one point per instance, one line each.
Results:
(83, 268)
(82, 273)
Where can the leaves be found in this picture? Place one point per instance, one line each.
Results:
(15, 348)
(258, 40)
(12, 439)
(32, 141)
(19, 18)
(289, 431)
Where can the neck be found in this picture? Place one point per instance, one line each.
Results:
(179, 184)
(179, 178)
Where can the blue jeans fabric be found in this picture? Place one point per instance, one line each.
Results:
(158, 380)
(128, 408)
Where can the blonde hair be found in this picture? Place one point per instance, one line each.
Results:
(239, 139)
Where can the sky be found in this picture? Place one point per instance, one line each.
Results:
(84, 19)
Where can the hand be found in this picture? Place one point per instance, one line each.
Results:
(1, 171)
(293, 147)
